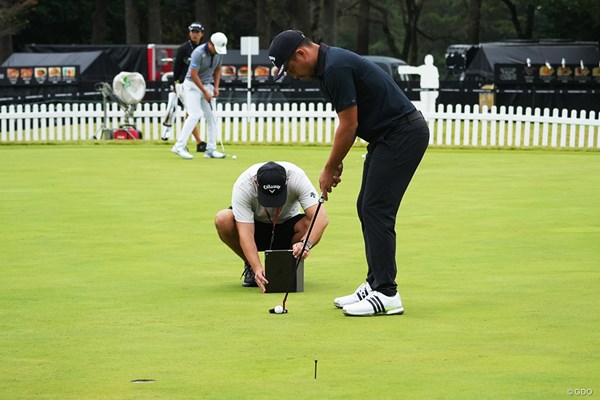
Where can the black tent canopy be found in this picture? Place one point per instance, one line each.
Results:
(132, 58)
(491, 54)
(87, 68)
(547, 73)
(93, 65)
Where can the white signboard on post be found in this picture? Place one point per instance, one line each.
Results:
(249, 46)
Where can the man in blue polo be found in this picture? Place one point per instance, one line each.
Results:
(201, 88)
(371, 106)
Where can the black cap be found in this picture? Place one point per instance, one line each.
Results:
(272, 185)
(196, 26)
(282, 47)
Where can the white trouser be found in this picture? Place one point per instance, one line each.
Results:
(196, 107)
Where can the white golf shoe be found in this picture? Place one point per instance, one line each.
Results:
(375, 304)
(214, 154)
(359, 294)
(182, 152)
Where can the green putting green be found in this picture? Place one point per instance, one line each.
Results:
(114, 284)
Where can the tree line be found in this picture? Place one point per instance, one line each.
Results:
(406, 29)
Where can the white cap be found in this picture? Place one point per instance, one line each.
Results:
(219, 40)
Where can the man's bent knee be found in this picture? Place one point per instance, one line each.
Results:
(224, 220)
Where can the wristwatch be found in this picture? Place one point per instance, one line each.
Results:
(308, 243)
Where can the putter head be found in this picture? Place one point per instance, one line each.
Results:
(272, 311)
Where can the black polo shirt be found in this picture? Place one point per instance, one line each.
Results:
(182, 61)
(348, 79)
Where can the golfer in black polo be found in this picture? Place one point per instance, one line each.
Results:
(369, 105)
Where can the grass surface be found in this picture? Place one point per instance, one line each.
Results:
(111, 271)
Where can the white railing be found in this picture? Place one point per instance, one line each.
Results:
(453, 126)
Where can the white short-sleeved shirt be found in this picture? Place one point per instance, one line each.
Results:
(300, 194)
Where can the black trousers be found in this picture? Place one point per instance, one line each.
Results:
(389, 166)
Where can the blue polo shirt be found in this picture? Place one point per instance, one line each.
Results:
(348, 79)
(205, 62)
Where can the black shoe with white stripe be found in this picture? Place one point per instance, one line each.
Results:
(375, 304)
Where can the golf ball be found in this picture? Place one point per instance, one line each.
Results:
(234, 157)
(278, 310)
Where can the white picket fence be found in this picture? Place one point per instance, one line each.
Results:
(451, 126)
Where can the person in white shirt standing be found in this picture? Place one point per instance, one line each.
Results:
(201, 88)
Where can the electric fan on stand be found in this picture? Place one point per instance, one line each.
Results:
(127, 90)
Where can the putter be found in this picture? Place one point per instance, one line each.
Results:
(284, 310)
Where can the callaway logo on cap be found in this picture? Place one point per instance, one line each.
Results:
(272, 185)
(272, 188)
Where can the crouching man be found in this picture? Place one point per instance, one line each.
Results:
(272, 207)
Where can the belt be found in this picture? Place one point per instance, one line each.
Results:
(410, 117)
(403, 120)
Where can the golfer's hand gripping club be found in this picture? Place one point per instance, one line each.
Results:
(330, 178)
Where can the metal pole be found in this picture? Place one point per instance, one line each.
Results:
(248, 95)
